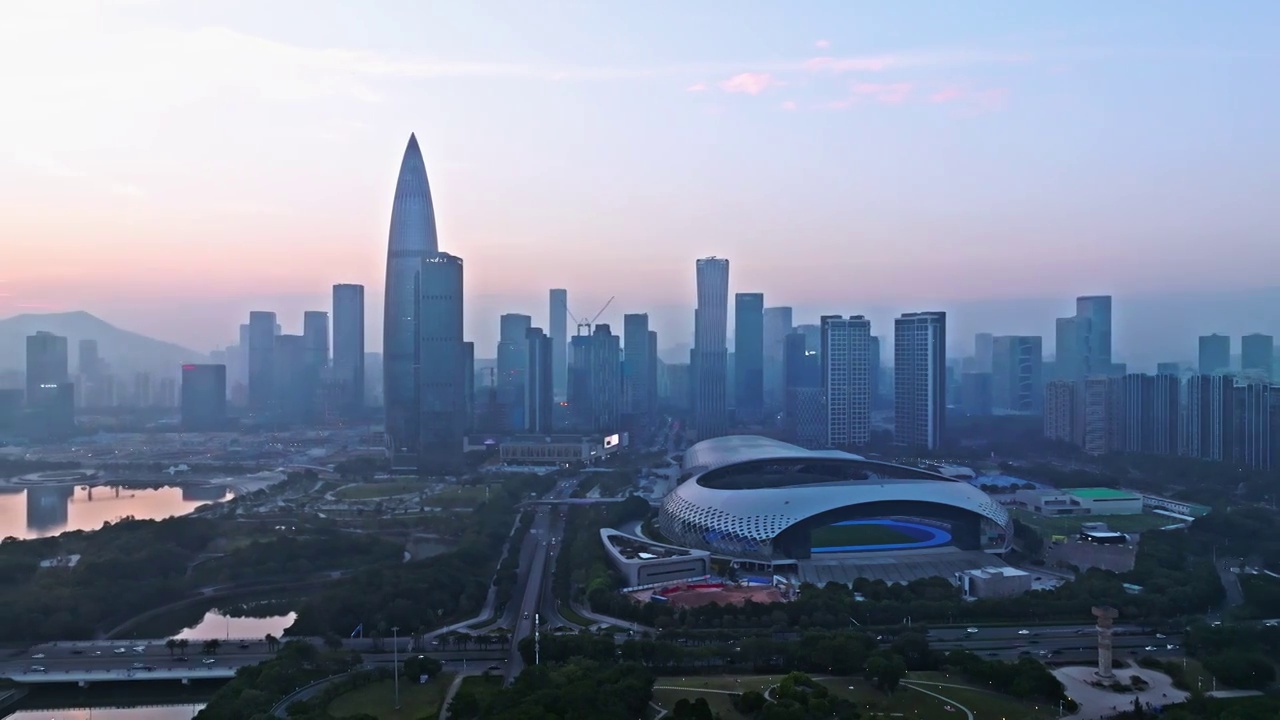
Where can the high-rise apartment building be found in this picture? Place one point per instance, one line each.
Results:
(920, 379)
(46, 363)
(469, 385)
(777, 325)
(1166, 410)
(1060, 411)
(539, 383)
(1169, 368)
(348, 347)
(204, 398)
(262, 362)
(1257, 356)
(845, 363)
(513, 358)
(1215, 354)
(558, 330)
(804, 413)
(1016, 373)
(442, 407)
(710, 349)
(1094, 431)
(89, 362)
(637, 371)
(748, 352)
(1254, 435)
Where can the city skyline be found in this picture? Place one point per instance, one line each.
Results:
(864, 100)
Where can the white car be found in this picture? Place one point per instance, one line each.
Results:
(1160, 636)
(1024, 632)
(208, 661)
(37, 656)
(119, 651)
(1151, 647)
(971, 630)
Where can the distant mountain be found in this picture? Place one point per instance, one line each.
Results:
(124, 351)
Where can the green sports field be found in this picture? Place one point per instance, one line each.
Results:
(858, 535)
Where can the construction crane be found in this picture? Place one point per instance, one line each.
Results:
(592, 321)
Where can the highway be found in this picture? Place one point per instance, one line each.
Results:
(532, 591)
(101, 662)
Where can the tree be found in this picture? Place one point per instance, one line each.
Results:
(273, 643)
(465, 705)
(182, 645)
(171, 644)
(211, 646)
(333, 642)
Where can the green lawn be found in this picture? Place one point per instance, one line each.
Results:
(371, 491)
(857, 535)
(720, 703)
(378, 699)
(1049, 526)
(983, 703)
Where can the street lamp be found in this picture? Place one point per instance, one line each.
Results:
(395, 662)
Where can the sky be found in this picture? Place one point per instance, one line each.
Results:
(171, 164)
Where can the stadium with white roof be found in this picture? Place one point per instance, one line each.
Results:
(762, 501)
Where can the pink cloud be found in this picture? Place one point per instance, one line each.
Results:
(842, 65)
(749, 83)
(822, 44)
(696, 87)
(789, 105)
(885, 93)
(987, 99)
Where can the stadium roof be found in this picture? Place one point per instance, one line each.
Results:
(729, 449)
(1098, 493)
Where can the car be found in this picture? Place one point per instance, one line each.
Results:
(1149, 648)
(526, 616)
(38, 668)
(209, 661)
(97, 652)
(37, 656)
(120, 651)
(971, 630)
(77, 652)
(1024, 632)
(181, 658)
(494, 667)
(138, 666)
(1160, 636)
(244, 646)
(1171, 646)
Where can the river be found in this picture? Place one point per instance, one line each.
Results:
(35, 512)
(216, 625)
(158, 712)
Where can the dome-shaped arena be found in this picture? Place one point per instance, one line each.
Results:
(757, 499)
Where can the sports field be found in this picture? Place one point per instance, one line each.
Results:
(866, 535)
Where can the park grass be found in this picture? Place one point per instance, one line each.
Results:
(721, 704)
(859, 536)
(372, 491)
(984, 703)
(378, 699)
(1049, 526)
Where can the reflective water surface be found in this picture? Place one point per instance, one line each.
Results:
(34, 512)
(216, 625)
(159, 712)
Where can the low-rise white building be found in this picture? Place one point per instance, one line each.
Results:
(992, 582)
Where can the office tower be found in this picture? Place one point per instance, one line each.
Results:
(1254, 434)
(710, 349)
(204, 398)
(1016, 373)
(812, 336)
(1060, 410)
(1166, 409)
(90, 364)
(777, 326)
(315, 331)
(293, 400)
(636, 371)
(513, 359)
(983, 352)
(262, 365)
(1257, 355)
(1169, 368)
(348, 347)
(1066, 360)
(442, 349)
(975, 393)
(748, 353)
(875, 370)
(804, 411)
(52, 409)
(1215, 354)
(652, 383)
(1094, 333)
(469, 384)
(558, 330)
(539, 383)
(46, 363)
(845, 363)
(675, 383)
(920, 379)
(411, 240)
(595, 382)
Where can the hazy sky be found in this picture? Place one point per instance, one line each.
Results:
(169, 165)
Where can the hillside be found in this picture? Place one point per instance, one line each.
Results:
(125, 351)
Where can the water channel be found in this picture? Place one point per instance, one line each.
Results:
(43, 511)
(158, 712)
